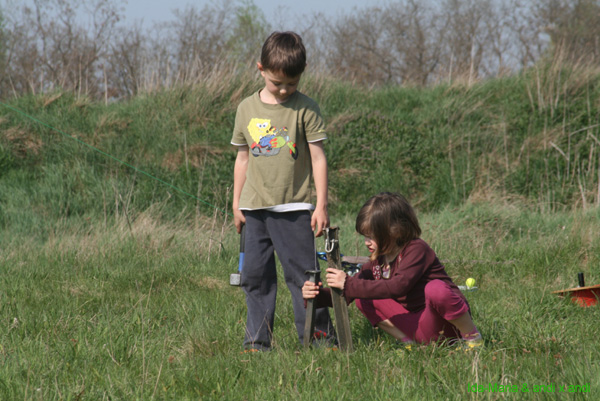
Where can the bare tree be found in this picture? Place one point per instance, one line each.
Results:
(3, 52)
(178, 52)
(22, 55)
(79, 46)
(415, 35)
(359, 48)
(51, 48)
(124, 70)
(499, 57)
(248, 32)
(197, 38)
(465, 37)
(421, 42)
(310, 27)
(573, 27)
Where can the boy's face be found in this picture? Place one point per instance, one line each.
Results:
(279, 87)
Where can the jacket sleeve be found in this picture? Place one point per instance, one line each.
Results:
(406, 272)
(323, 298)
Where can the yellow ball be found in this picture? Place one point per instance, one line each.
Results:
(470, 282)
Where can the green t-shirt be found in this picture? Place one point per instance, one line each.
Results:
(277, 135)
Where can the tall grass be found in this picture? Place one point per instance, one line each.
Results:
(139, 312)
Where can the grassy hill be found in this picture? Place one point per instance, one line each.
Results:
(530, 139)
(116, 244)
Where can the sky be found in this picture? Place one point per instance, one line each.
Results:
(150, 11)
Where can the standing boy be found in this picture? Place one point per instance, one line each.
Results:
(279, 136)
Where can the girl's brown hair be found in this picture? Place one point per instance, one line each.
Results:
(285, 52)
(389, 220)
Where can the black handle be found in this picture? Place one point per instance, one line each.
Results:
(581, 279)
(242, 238)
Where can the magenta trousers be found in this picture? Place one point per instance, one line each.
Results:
(430, 324)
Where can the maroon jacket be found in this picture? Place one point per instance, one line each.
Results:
(416, 265)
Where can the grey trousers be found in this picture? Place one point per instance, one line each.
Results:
(291, 237)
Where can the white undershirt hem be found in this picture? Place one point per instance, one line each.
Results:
(287, 207)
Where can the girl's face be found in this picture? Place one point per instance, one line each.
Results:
(370, 244)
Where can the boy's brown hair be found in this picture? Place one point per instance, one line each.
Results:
(285, 52)
(388, 219)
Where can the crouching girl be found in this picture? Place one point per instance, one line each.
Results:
(404, 289)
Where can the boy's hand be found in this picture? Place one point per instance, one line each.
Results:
(310, 290)
(319, 221)
(239, 219)
(336, 278)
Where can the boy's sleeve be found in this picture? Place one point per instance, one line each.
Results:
(238, 138)
(314, 126)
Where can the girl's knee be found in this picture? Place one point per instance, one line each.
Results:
(436, 291)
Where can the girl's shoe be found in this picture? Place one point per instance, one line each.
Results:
(472, 344)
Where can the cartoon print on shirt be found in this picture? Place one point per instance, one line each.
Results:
(269, 140)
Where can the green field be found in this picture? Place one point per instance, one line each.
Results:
(144, 313)
(114, 279)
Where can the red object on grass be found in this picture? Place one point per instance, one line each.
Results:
(583, 296)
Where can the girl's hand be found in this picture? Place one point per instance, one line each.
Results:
(310, 290)
(336, 278)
